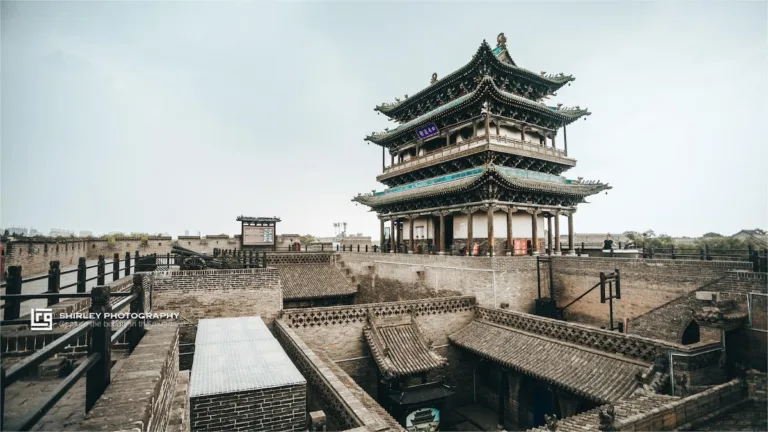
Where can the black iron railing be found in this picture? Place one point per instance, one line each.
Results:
(96, 366)
(14, 284)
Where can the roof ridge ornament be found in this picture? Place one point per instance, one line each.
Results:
(501, 40)
(434, 78)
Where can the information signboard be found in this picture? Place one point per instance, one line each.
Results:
(258, 236)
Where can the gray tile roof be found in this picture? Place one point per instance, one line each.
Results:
(238, 354)
(310, 281)
(600, 377)
(632, 405)
(399, 348)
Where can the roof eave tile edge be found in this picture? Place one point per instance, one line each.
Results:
(556, 84)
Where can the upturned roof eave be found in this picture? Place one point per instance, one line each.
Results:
(473, 181)
(566, 116)
(555, 82)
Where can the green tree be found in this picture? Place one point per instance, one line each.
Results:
(711, 235)
(305, 240)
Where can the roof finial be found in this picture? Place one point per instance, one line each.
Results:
(434, 78)
(501, 40)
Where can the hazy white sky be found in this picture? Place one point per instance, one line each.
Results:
(166, 116)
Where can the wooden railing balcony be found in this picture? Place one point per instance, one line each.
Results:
(477, 144)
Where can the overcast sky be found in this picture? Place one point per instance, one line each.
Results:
(172, 116)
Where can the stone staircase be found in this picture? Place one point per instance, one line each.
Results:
(346, 272)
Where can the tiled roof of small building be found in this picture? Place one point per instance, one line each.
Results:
(399, 348)
(589, 373)
(590, 420)
(310, 281)
(470, 178)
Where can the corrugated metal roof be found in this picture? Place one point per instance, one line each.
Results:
(225, 330)
(238, 354)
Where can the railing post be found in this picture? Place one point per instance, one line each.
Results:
(366, 248)
(54, 282)
(98, 377)
(13, 286)
(82, 271)
(644, 255)
(137, 307)
(127, 263)
(651, 252)
(322, 247)
(358, 248)
(100, 269)
(115, 266)
(701, 254)
(337, 248)
(306, 248)
(674, 255)
(709, 256)
(264, 260)
(250, 259)
(136, 262)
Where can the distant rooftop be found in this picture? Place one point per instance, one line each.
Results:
(258, 219)
(238, 354)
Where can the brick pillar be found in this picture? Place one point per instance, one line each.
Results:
(557, 233)
(549, 234)
(571, 249)
(489, 215)
(534, 232)
(441, 246)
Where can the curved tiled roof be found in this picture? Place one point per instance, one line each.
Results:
(554, 82)
(507, 177)
(588, 373)
(311, 281)
(485, 87)
(399, 348)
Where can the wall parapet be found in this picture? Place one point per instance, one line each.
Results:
(313, 317)
(337, 399)
(687, 411)
(629, 345)
(140, 395)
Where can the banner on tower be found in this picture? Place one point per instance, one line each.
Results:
(427, 131)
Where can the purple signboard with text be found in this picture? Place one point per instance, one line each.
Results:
(427, 131)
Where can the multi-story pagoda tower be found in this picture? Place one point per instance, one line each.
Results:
(476, 161)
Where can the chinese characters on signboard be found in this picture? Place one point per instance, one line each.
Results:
(256, 235)
(427, 131)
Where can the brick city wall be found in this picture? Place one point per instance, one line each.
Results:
(140, 394)
(338, 330)
(682, 413)
(197, 294)
(397, 277)
(278, 408)
(645, 284)
(331, 389)
(34, 256)
(669, 320)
